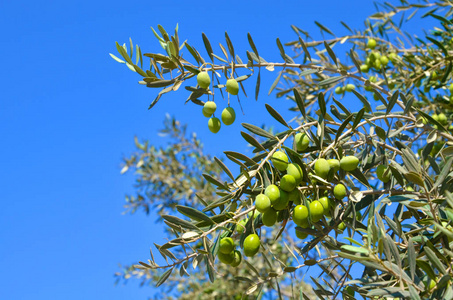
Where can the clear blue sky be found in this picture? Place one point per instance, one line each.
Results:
(68, 115)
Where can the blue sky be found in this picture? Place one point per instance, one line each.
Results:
(69, 113)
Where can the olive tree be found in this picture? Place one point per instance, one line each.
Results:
(340, 204)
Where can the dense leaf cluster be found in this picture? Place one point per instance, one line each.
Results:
(395, 224)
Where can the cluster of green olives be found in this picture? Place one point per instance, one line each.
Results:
(375, 59)
(342, 89)
(229, 255)
(204, 81)
(280, 196)
(441, 118)
(228, 114)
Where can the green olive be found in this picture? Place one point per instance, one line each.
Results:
(383, 174)
(371, 43)
(269, 217)
(288, 183)
(316, 211)
(296, 171)
(203, 80)
(280, 160)
(301, 235)
(322, 168)
(226, 258)
(273, 192)
(232, 86)
(251, 245)
(282, 202)
(349, 163)
(262, 203)
(209, 108)
(300, 214)
(334, 164)
(228, 116)
(350, 87)
(226, 245)
(237, 258)
(214, 124)
(339, 191)
(302, 141)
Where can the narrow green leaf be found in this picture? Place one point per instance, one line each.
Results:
(304, 47)
(216, 218)
(353, 257)
(239, 156)
(343, 126)
(440, 18)
(164, 277)
(352, 54)
(252, 141)
(355, 249)
(219, 58)
(117, 59)
(223, 50)
(330, 80)
(243, 77)
(299, 102)
(224, 168)
(414, 294)
(331, 53)
(322, 104)
(257, 130)
(380, 132)
(276, 115)
(207, 45)
(342, 107)
(123, 53)
(180, 222)
(414, 178)
(411, 258)
(252, 44)
(425, 266)
(360, 177)
(157, 36)
(193, 52)
(280, 47)
(397, 175)
(139, 71)
(323, 28)
(160, 83)
(229, 45)
(410, 161)
(358, 118)
(275, 82)
(438, 44)
(346, 26)
(435, 260)
(211, 271)
(193, 213)
(444, 173)
(258, 83)
(155, 101)
(365, 102)
(308, 72)
(215, 181)
(163, 32)
(392, 102)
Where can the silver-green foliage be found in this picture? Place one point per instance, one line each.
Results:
(398, 232)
